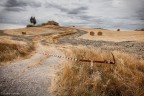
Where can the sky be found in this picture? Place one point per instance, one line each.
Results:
(111, 14)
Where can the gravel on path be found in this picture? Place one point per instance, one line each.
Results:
(30, 77)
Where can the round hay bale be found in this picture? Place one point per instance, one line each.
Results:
(23, 33)
(118, 29)
(99, 33)
(92, 33)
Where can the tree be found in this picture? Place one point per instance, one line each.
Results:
(33, 20)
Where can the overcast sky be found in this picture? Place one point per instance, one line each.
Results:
(127, 14)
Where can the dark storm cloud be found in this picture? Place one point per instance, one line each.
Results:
(15, 3)
(75, 11)
(20, 5)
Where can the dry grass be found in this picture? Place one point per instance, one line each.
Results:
(62, 34)
(31, 31)
(54, 37)
(10, 50)
(125, 78)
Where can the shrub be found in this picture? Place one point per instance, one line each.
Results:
(92, 33)
(44, 24)
(118, 29)
(23, 33)
(30, 25)
(99, 33)
(140, 29)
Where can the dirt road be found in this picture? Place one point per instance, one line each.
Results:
(30, 77)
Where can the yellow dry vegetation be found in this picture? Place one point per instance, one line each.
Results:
(31, 31)
(10, 49)
(125, 78)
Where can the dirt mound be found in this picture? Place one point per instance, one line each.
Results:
(53, 23)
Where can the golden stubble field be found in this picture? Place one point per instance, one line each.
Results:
(115, 36)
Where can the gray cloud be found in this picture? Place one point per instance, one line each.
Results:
(67, 10)
(86, 17)
(15, 3)
(137, 6)
(15, 9)
(20, 5)
(141, 13)
(78, 10)
(87, 13)
(56, 6)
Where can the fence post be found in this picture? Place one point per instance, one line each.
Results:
(91, 66)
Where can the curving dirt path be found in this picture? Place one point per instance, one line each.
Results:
(30, 77)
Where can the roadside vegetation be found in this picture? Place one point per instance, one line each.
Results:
(10, 50)
(140, 29)
(125, 78)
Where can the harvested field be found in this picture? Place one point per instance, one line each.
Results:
(114, 36)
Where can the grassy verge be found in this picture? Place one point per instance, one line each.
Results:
(125, 78)
(13, 50)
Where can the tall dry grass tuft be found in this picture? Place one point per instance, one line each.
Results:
(125, 78)
(11, 50)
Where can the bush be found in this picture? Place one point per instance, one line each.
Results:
(92, 33)
(44, 24)
(118, 29)
(99, 33)
(30, 25)
(140, 29)
(23, 33)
